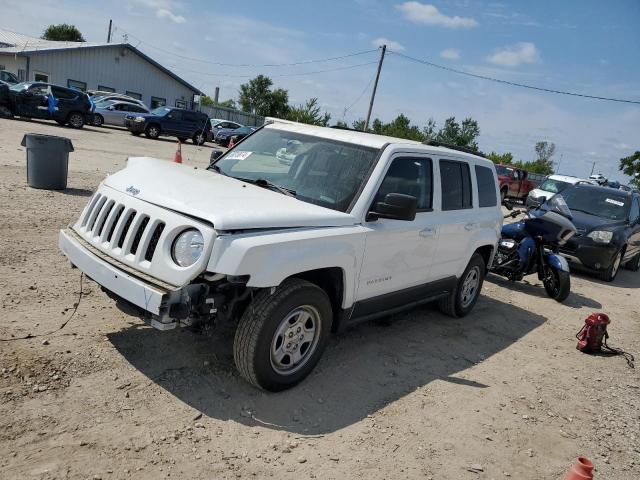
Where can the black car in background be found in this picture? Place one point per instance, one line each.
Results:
(31, 100)
(171, 122)
(608, 224)
(223, 136)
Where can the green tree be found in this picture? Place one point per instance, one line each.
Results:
(63, 33)
(631, 166)
(358, 124)
(257, 97)
(501, 158)
(543, 162)
(231, 103)
(207, 101)
(309, 113)
(461, 135)
(342, 124)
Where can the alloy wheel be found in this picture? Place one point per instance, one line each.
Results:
(295, 339)
(470, 287)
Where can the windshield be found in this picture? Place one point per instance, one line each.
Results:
(160, 111)
(553, 186)
(18, 87)
(315, 170)
(604, 204)
(8, 77)
(504, 170)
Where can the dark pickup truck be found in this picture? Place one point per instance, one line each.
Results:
(33, 100)
(516, 183)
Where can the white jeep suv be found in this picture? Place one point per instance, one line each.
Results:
(356, 226)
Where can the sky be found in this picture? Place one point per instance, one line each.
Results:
(582, 46)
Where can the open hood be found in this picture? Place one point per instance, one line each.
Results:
(227, 203)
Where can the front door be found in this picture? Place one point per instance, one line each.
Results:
(172, 123)
(33, 102)
(398, 254)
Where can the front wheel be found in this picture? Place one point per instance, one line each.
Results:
(75, 120)
(557, 283)
(152, 131)
(463, 298)
(5, 112)
(199, 138)
(282, 334)
(611, 272)
(98, 121)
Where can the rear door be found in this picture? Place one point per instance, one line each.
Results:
(68, 101)
(172, 124)
(458, 221)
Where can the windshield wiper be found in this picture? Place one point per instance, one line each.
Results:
(261, 182)
(216, 169)
(583, 211)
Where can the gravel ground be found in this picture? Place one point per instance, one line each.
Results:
(502, 393)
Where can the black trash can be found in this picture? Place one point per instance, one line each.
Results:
(47, 160)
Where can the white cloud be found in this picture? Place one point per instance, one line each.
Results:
(429, 15)
(164, 13)
(450, 54)
(391, 44)
(514, 55)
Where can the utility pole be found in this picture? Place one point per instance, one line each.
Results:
(592, 168)
(109, 33)
(558, 166)
(375, 87)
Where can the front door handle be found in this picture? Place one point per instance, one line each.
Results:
(427, 232)
(470, 226)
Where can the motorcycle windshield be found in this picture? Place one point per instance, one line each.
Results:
(555, 204)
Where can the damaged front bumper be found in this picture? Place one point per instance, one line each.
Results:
(169, 306)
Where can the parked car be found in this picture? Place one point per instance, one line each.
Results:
(113, 112)
(223, 136)
(8, 77)
(31, 100)
(550, 186)
(217, 124)
(118, 97)
(514, 182)
(172, 122)
(608, 224)
(357, 227)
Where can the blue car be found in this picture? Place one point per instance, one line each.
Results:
(223, 136)
(172, 122)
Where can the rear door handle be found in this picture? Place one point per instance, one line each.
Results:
(470, 226)
(427, 232)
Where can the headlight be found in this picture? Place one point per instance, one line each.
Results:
(188, 247)
(507, 243)
(600, 236)
(138, 119)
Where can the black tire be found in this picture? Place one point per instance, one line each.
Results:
(257, 334)
(152, 131)
(75, 120)
(503, 194)
(633, 264)
(98, 120)
(5, 112)
(461, 301)
(199, 138)
(612, 270)
(557, 284)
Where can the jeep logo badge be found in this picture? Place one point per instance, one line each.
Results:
(133, 190)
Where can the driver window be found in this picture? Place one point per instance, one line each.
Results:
(409, 176)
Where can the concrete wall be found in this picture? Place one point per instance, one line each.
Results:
(113, 66)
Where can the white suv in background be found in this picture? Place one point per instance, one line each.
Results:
(551, 185)
(356, 226)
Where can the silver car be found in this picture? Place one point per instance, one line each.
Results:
(113, 112)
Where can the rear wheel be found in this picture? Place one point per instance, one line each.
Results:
(557, 283)
(152, 131)
(75, 120)
(281, 335)
(610, 273)
(198, 138)
(98, 120)
(5, 112)
(463, 298)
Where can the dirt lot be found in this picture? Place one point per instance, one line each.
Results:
(500, 394)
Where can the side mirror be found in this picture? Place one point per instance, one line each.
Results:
(215, 154)
(396, 206)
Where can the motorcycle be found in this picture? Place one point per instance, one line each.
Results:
(531, 246)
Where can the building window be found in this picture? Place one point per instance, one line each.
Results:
(181, 104)
(40, 77)
(78, 85)
(102, 88)
(158, 102)
(137, 96)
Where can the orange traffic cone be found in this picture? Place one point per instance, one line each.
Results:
(581, 470)
(178, 156)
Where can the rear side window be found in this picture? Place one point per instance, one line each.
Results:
(409, 176)
(486, 187)
(455, 180)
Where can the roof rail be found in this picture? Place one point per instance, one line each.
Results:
(435, 143)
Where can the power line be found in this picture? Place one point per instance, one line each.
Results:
(232, 75)
(255, 65)
(359, 96)
(514, 84)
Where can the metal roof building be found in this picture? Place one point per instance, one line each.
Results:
(114, 67)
